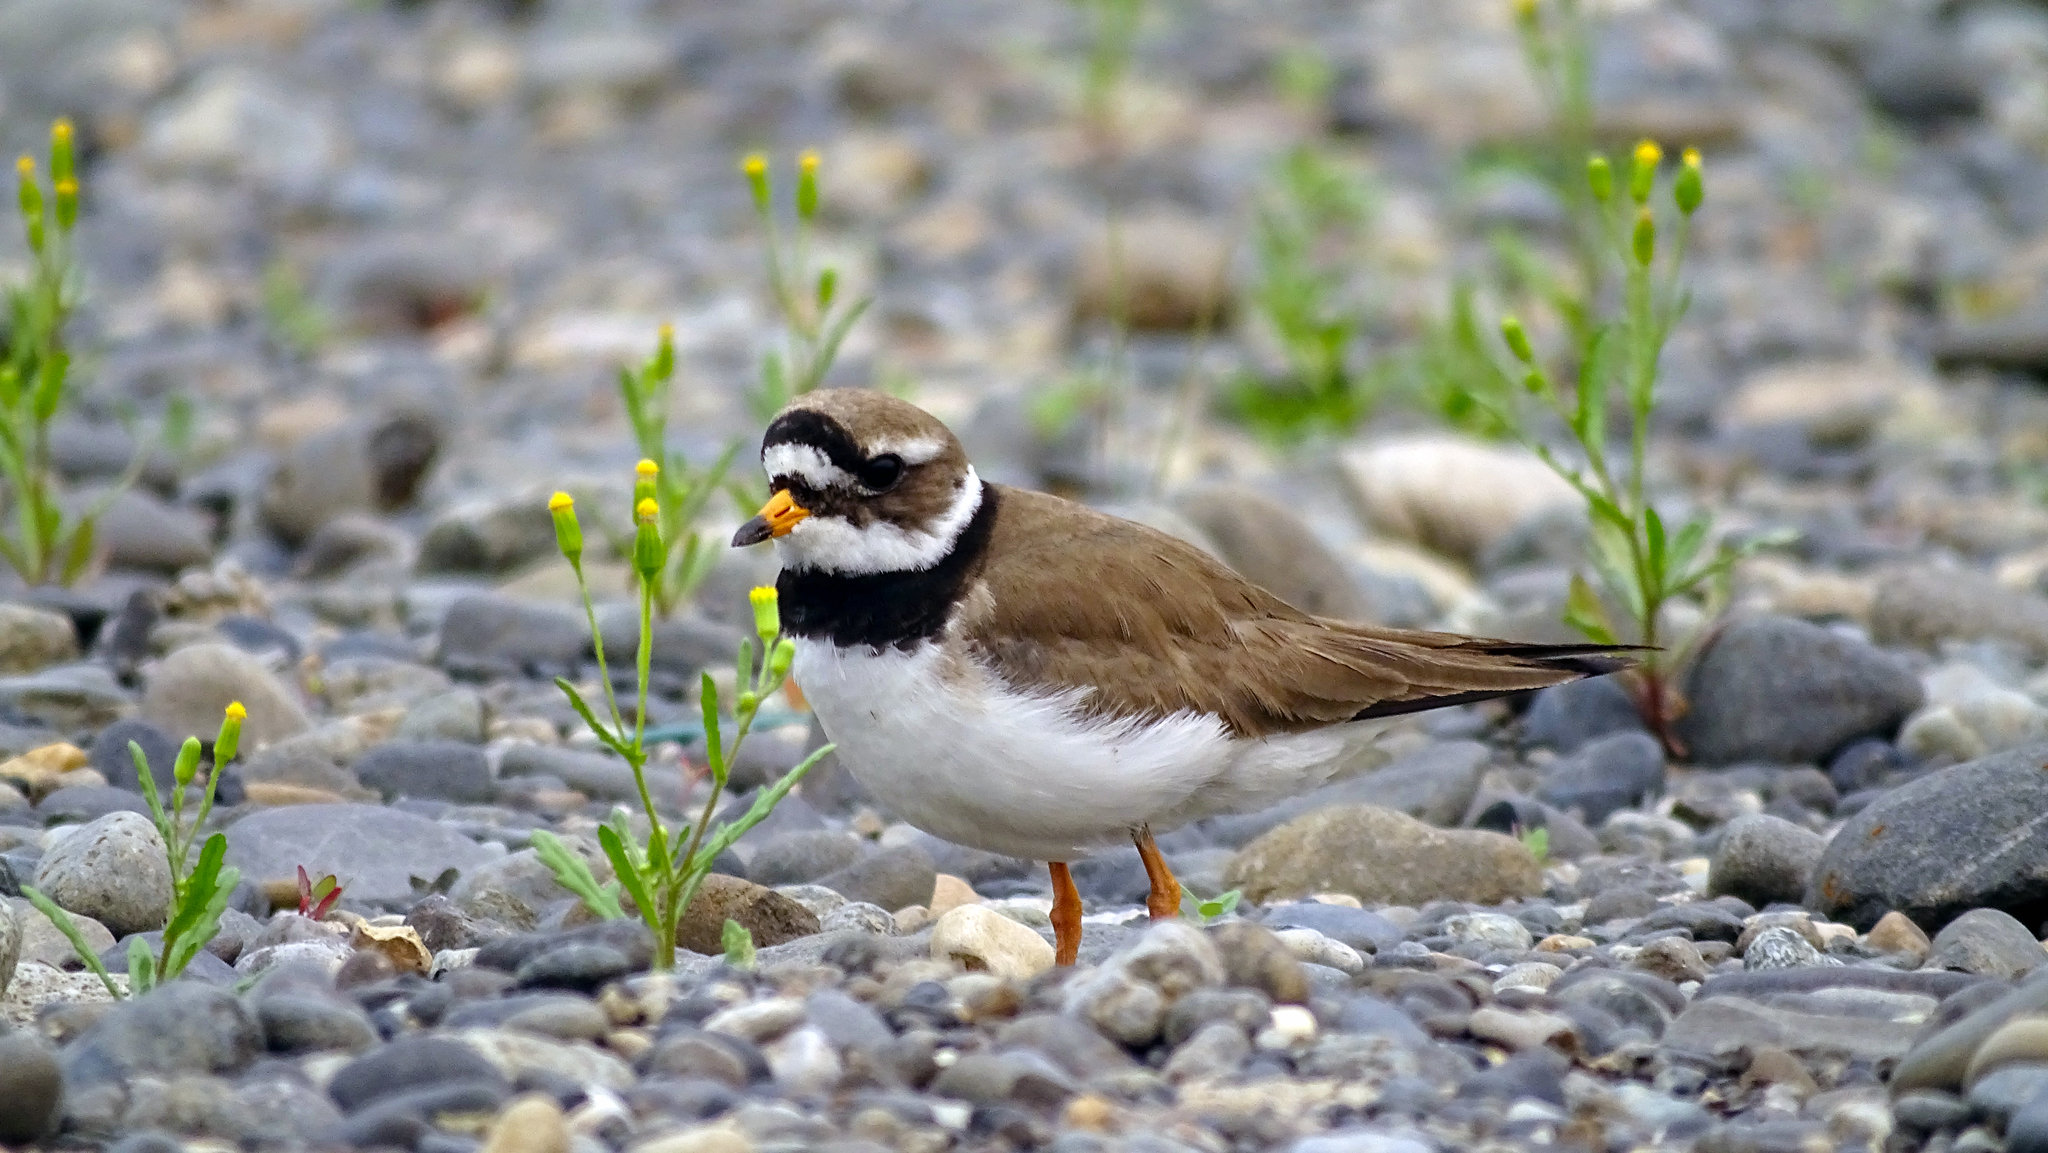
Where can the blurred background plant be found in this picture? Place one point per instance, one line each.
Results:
(815, 317)
(47, 541)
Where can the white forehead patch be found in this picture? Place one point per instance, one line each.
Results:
(832, 543)
(917, 450)
(806, 462)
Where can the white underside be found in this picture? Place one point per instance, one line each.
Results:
(946, 745)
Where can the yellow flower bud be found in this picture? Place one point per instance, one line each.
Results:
(1648, 157)
(646, 469)
(60, 150)
(648, 554)
(807, 185)
(1600, 177)
(665, 352)
(1518, 340)
(780, 659)
(67, 204)
(756, 168)
(644, 475)
(568, 533)
(648, 509)
(767, 612)
(1690, 188)
(230, 736)
(1525, 12)
(1645, 240)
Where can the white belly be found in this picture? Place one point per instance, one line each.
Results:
(948, 747)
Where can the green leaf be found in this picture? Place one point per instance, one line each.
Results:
(190, 915)
(79, 554)
(739, 944)
(714, 741)
(722, 837)
(1653, 539)
(62, 920)
(627, 870)
(142, 972)
(589, 718)
(1686, 548)
(573, 873)
(1614, 559)
(828, 349)
(1584, 612)
(147, 782)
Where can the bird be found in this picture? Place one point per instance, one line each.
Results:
(1019, 673)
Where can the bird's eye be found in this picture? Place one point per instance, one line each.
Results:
(882, 473)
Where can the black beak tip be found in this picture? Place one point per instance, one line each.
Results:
(752, 533)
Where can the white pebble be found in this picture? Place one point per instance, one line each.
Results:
(1290, 1025)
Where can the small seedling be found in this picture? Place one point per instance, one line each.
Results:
(1536, 840)
(661, 875)
(1207, 911)
(317, 897)
(739, 945)
(808, 299)
(294, 321)
(199, 895)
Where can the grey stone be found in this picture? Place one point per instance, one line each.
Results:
(407, 1064)
(309, 1022)
(113, 870)
(1566, 716)
(796, 857)
(236, 120)
(32, 638)
(190, 690)
(11, 934)
(1985, 941)
(1383, 858)
(380, 854)
(1608, 773)
(181, 1028)
(492, 636)
(1924, 607)
(598, 776)
(138, 531)
(455, 715)
(31, 1089)
(1784, 691)
(1939, 1059)
(442, 770)
(1362, 929)
(1763, 858)
(893, 878)
(372, 464)
(68, 698)
(1960, 838)
(1434, 784)
(111, 756)
(80, 804)
(1782, 947)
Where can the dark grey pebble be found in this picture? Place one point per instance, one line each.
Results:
(1613, 772)
(798, 857)
(1363, 930)
(408, 1065)
(295, 1022)
(578, 965)
(1564, 717)
(183, 1027)
(440, 770)
(31, 1089)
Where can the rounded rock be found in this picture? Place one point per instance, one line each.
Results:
(1763, 858)
(191, 688)
(113, 870)
(982, 939)
(31, 1089)
(529, 1124)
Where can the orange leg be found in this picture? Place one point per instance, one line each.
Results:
(1164, 900)
(1066, 915)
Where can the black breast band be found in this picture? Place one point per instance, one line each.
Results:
(888, 609)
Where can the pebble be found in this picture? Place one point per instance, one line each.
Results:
(1382, 858)
(191, 689)
(378, 851)
(982, 939)
(33, 638)
(31, 1089)
(1783, 691)
(1986, 941)
(532, 1123)
(1762, 859)
(1896, 933)
(113, 870)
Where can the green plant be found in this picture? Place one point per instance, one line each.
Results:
(816, 319)
(1557, 44)
(679, 489)
(199, 895)
(1537, 841)
(1207, 911)
(1642, 566)
(1306, 237)
(317, 897)
(739, 944)
(1112, 40)
(661, 875)
(293, 319)
(46, 543)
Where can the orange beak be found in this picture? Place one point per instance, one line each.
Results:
(776, 518)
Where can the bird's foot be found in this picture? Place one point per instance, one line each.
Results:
(1066, 915)
(1164, 899)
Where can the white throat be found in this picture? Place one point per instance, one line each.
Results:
(832, 544)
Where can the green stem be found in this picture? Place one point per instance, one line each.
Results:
(604, 675)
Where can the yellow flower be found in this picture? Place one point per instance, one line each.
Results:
(754, 165)
(235, 710)
(1648, 154)
(646, 469)
(61, 131)
(1691, 157)
(808, 161)
(648, 509)
(26, 166)
(561, 502)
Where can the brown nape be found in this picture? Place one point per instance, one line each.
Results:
(1164, 628)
